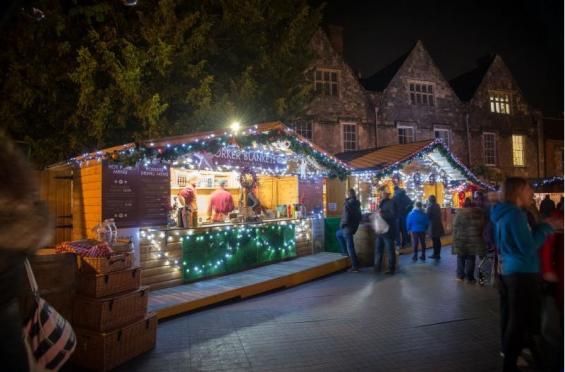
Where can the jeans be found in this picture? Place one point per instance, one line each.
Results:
(419, 237)
(402, 236)
(345, 239)
(436, 244)
(383, 243)
(521, 297)
(466, 267)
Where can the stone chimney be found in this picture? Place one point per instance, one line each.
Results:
(335, 34)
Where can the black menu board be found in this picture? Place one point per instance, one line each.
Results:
(135, 196)
(154, 191)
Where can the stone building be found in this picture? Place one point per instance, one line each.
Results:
(340, 117)
(482, 115)
(504, 133)
(413, 101)
(553, 146)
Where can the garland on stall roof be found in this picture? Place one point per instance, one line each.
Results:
(436, 144)
(212, 143)
(548, 181)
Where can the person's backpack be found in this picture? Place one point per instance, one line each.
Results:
(380, 226)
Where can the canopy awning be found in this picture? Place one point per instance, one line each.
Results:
(264, 137)
(385, 161)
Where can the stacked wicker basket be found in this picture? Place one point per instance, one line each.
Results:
(110, 315)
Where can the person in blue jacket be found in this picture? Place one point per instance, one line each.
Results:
(417, 223)
(518, 245)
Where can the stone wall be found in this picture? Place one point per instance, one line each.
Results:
(351, 105)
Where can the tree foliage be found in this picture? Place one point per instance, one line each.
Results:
(93, 74)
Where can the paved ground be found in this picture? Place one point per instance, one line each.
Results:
(421, 319)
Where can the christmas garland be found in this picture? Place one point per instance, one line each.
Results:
(436, 144)
(142, 152)
(548, 181)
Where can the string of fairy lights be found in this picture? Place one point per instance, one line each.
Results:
(250, 138)
(273, 241)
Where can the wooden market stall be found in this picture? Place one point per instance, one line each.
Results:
(140, 186)
(421, 168)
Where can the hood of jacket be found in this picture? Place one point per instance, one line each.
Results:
(501, 210)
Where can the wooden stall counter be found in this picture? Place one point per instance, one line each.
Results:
(171, 256)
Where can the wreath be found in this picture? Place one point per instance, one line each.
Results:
(248, 178)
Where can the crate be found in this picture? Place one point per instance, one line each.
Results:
(105, 314)
(104, 265)
(102, 285)
(102, 351)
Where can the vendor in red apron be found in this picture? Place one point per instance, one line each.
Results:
(187, 200)
(221, 204)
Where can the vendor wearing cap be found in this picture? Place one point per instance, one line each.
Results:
(187, 200)
(221, 204)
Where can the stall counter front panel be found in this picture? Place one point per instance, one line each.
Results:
(172, 256)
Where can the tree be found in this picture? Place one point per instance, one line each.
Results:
(95, 74)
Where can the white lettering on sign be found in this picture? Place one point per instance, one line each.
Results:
(247, 156)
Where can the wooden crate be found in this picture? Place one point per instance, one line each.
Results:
(104, 265)
(102, 285)
(102, 351)
(108, 313)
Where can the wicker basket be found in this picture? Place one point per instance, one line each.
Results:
(109, 313)
(104, 265)
(104, 351)
(122, 246)
(102, 285)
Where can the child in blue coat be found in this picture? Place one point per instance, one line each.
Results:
(417, 224)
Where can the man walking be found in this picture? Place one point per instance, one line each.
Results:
(349, 224)
(403, 206)
(436, 226)
(384, 241)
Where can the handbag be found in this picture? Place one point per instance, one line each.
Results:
(49, 337)
(379, 224)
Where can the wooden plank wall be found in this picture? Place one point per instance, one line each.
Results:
(157, 259)
(335, 193)
(87, 200)
(55, 188)
(275, 191)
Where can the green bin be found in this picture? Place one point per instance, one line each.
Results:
(331, 225)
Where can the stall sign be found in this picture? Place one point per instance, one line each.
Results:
(135, 196)
(235, 156)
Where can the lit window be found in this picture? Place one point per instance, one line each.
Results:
(489, 148)
(405, 134)
(499, 103)
(442, 134)
(303, 128)
(326, 82)
(518, 150)
(421, 94)
(349, 137)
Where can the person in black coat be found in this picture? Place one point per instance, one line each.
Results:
(387, 210)
(436, 226)
(350, 220)
(403, 206)
(547, 206)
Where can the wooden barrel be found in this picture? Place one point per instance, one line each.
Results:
(55, 274)
(364, 240)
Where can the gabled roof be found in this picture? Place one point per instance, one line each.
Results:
(382, 157)
(386, 160)
(466, 85)
(380, 80)
(171, 148)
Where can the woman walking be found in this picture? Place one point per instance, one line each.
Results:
(519, 245)
(468, 240)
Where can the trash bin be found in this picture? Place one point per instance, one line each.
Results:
(331, 225)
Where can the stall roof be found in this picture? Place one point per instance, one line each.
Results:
(169, 147)
(385, 160)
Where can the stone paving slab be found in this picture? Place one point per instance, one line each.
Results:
(420, 319)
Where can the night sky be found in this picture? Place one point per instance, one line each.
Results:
(527, 34)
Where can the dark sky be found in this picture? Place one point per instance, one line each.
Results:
(528, 34)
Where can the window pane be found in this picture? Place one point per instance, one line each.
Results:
(412, 87)
(417, 87)
(334, 76)
(412, 98)
(431, 100)
(425, 99)
(334, 89)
